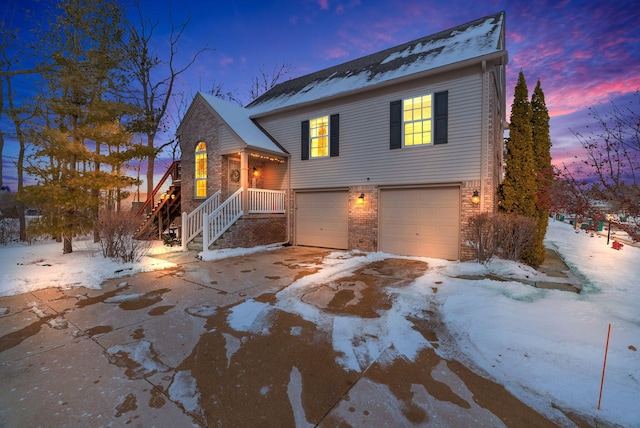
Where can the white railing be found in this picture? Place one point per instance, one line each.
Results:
(216, 223)
(192, 223)
(266, 201)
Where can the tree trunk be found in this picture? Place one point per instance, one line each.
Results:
(150, 168)
(66, 246)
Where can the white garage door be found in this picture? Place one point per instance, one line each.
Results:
(420, 222)
(322, 219)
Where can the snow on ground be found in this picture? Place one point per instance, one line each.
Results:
(545, 346)
(33, 267)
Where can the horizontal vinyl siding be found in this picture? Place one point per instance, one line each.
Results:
(275, 176)
(228, 141)
(364, 140)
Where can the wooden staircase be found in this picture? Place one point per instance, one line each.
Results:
(159, 215)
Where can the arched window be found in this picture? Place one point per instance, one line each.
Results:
(201, 170)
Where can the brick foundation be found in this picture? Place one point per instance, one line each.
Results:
(254, 230)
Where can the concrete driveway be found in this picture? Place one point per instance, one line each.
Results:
(225, 343)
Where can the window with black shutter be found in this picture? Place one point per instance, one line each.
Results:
(419, 121)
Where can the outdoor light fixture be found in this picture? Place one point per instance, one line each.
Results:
(361, 196)
(256, 173)
(475, 198)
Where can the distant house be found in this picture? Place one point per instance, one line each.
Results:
(382, 153)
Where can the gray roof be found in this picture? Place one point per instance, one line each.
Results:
(475, 39)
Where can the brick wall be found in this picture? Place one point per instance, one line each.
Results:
(467, 210)
(254, 230)
(201, 126)
(363, 218)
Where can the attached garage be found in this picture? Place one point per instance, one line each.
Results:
(322, 219)
(420, 222)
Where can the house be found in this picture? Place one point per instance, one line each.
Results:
(391, 152)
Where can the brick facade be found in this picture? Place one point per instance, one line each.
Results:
(363, 218)
(201, 126)
(254, 230)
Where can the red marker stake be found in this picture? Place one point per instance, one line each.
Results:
(606, 350)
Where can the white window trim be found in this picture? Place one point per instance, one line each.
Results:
(311, 156)
(431, 119)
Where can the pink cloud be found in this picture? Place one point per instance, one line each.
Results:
(335, 52)
(226, 60)
(324, 4)
(582, 55)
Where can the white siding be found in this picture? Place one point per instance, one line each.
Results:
(228, 142)
(275, 176)
(364, 138)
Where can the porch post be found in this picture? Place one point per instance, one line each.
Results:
(244, 180)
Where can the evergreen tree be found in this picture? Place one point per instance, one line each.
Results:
(517, 193)
(544, 179)
(81, 145)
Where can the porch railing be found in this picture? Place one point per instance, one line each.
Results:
(193, 222)
(266, 201)
(216, 223)
(174, 172)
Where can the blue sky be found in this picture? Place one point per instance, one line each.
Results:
(586, 53)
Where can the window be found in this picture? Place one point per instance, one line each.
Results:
(419, 121)
(320, 137)
(416, 117)
(201, 170)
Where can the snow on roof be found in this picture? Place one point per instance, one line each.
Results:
(237, 118)
(472, 40)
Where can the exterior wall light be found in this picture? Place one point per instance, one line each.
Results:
(361, 196)
(256, 173)
(475, 198)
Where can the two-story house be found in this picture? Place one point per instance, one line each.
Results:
(391, 152)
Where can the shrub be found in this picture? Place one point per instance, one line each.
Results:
(9, 230)
(117, 240)
(483, 236)
(516, 235)
(508, 236)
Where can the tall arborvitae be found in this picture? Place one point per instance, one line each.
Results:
(544, 169)
(518, 190)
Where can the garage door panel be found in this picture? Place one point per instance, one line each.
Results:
(420, 222)
(322, 219)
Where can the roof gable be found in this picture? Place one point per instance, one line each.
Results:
(472, 40)
(238, 120)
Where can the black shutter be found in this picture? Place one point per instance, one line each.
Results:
(441, 117)
(304, 141)
(334, 135)
(395, 128)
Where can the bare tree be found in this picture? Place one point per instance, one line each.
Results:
(613, 157)
(218, 91)
(12, 56)
(265, 81)
(154, 95)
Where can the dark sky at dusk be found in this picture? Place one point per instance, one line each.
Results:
(585, 53)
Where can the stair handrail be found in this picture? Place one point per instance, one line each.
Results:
(192, 223)
(221, 219)
(174, 172)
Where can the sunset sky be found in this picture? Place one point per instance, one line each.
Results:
(585, 53)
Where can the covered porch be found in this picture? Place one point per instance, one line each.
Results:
(252, 191)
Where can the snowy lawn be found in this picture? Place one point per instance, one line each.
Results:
(545, 346)
(33, 267)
